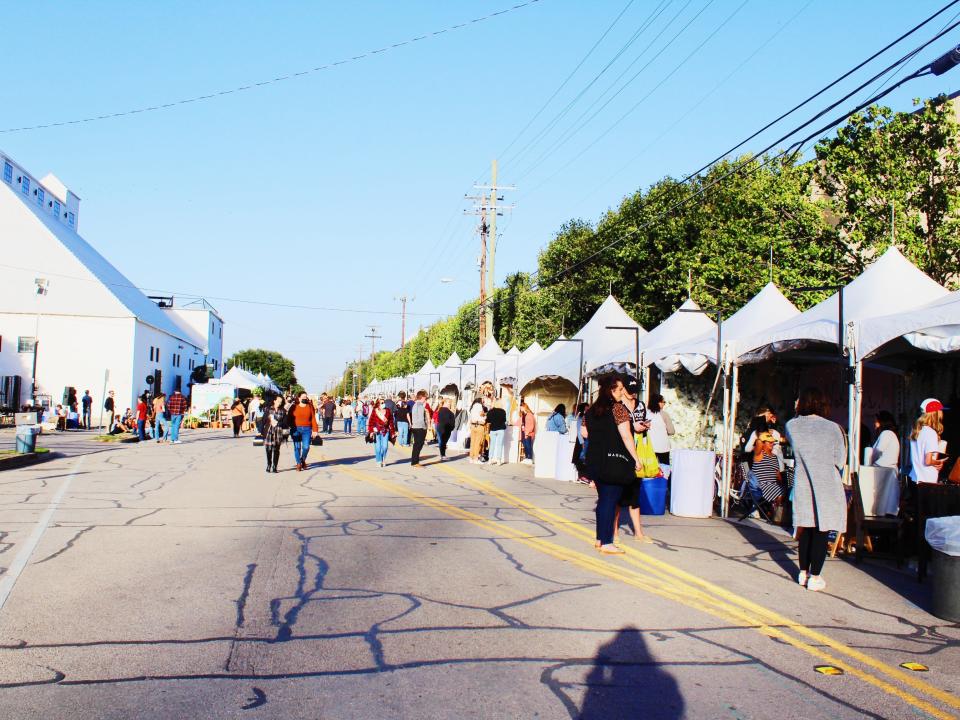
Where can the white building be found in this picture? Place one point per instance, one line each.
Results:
(87, 318)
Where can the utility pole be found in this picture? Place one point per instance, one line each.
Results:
(480, 208)
(373, 339)
(403, 318)
(487, 269)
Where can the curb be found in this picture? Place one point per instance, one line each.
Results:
(18, 461)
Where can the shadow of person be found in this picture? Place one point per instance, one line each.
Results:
(623, 680)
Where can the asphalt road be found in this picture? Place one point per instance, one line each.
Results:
(159, 581)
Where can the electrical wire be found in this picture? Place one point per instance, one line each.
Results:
(580, 123)
(273, 81)
(792, 150)
(640, 102)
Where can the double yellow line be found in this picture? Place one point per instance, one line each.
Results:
(662, 579)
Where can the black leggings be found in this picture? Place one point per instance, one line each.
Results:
(237, 422)
(273, 455)
(444, 439)
(813, 549)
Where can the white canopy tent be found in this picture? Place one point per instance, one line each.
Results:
(767, 308)
(241, 379)
(508, 365)
(592, 344)
(451, 372)
(934, 327)
(422, 379)
(685, 323)
(482, 366)
(891, 286)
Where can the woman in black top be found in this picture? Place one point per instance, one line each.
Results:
(445, 423)
(611, 457)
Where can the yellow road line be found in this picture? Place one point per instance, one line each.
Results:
(642, 559)
(700, 594)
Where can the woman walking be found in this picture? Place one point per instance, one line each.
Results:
(661, 428)
(380, 427)
(237, 413)
(361, 417)
(611, 457)
(274, 421)
(445, 424)
(303, 419)
(819, 502)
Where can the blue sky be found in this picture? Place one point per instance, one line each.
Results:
(344, 188)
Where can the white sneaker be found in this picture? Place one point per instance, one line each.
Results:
(802, 578)
(176, 442)
(816, 583)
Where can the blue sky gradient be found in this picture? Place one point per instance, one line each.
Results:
(345, 187)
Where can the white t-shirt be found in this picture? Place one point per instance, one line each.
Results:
(926, 442)
(886, 450)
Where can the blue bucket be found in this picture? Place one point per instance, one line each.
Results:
(653, 496)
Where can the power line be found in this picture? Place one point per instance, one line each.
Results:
(273, 81)
(793, 150)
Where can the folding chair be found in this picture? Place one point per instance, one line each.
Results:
(752, 499)
(863, 524)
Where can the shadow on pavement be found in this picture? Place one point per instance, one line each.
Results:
(624, 681)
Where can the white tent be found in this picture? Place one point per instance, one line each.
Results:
(242, 379)
(422, 379)
(484, 364)
(766, 309)
(451, 372)
(508, 364)
(935, 327)
(590, 345)
(683, 324)
(891, 285)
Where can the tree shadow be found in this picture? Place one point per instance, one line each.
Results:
(624, 681)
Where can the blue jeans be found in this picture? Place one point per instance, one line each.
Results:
(160, 424)
(361, 425)
(608, 498)
(381, 442)
(496, 445)
(527, 447)
(403, 433)
(175, 422)
(301, 443)
(141, 430)
(347, 425)
(328, 425)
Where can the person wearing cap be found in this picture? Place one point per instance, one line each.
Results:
(766, 468)
(819, 501)
(926, 458)
(639, 424)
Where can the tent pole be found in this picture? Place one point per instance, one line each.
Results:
(734, 404)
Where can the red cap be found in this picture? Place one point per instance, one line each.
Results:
(931, 405)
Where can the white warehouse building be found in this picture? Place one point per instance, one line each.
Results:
(64, 307)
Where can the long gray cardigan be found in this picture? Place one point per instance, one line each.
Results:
(820, 451)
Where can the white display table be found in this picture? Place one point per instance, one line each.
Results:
(880, 491)
(545, 454)
(566, 470)
(511, 444)
(691, 482)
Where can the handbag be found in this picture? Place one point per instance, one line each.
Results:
(649, 465)
(618, 468)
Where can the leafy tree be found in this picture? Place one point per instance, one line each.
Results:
(907, 165)
(280, 369)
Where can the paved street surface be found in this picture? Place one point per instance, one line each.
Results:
(158, 581)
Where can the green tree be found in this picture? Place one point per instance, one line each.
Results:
(280, 369)
(905, 165)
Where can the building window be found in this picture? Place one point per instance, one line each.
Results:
(71, 219)
(26, 344)
(151, 353)
(40, 196)
(7, 171)
(56, 208)
(221, 332)
(25, 185)
(158, 354)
